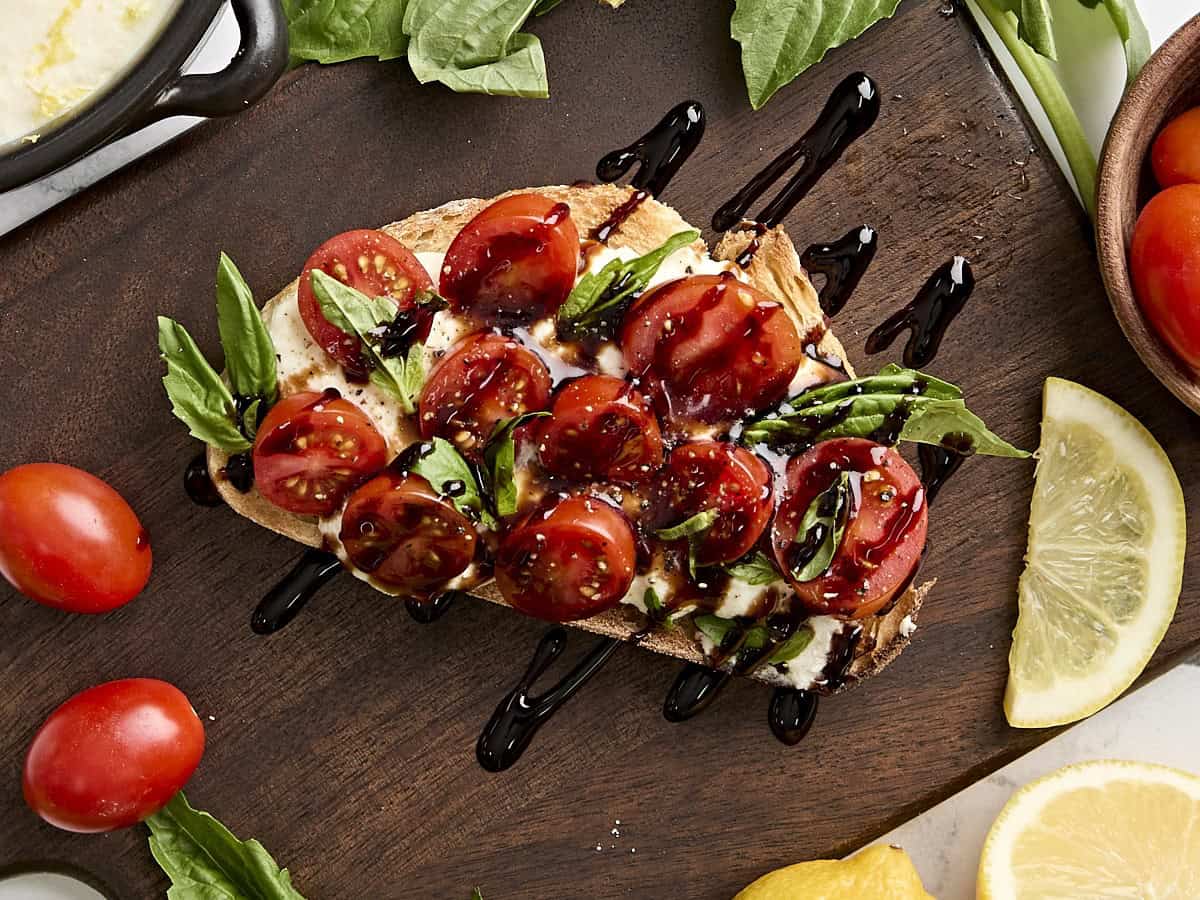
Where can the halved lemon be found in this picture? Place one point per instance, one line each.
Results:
(1101, 829)
(1104, 562)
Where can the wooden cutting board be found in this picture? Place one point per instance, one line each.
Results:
(346, 742)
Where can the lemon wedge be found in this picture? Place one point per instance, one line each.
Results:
(1098, 829)
(1104, 562)
(877, 873)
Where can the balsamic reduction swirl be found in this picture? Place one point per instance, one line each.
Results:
(849, 113)
(693, 691)
(843, 263)
(929, 314)
(660, 153)
(519, 716)
(295, 589)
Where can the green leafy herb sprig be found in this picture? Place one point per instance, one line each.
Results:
(206, 861)
(896, 405)
(755, 638)
(822, 528)
(500, 456)
(199, 397)
(448, 473)
(693, 530)
(401, 377)
(598, 302)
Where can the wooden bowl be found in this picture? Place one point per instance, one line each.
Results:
(1168, 84)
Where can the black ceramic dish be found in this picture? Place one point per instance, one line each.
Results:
(154, 88)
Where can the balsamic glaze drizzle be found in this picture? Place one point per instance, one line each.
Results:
(843, 263)
(519, 716)
(693, 691)
(791, 714)
(286, 599)
(928, 315)
(660, 153)
(426, 612)
(938, 464)
(199, 484)
(849, 113)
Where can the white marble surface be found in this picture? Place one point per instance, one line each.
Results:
(1153, 724)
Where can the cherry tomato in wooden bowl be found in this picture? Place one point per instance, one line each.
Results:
(70, 541)
(572, 560)
(1175, 156)
(374, 263)
(112, 755)
(313, 449)
(1164, 261)
(885, 524)
(514, 262)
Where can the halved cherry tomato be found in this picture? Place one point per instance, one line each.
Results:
(313, 449)
(374, 263)
(400, 531)
(569, 561)
(70, 541)
(483, 379)
(1176, 153)
(702, 475)
(1164, 260)
(601, 429)
(884, 535)
(708, 348)
(112, 755)
(515, 261)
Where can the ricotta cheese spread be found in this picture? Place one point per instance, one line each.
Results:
(58, 53)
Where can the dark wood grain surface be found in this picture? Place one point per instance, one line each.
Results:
(346, 742)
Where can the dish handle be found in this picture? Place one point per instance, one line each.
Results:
(261, 58)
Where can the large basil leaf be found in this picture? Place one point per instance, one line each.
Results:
(199, 398)
(1035, 25)
(501, 458)
(474, 46)
(1132, 29)
(756, 569)
(782, 38)
(950, 424)
(206, 861)
(330, 31)
(249, 350)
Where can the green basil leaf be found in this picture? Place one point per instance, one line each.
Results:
(952, 425)
(355, 313)
(544, 6)
(694, 525)
(500, 456)
(718, 629)
(757, 570)
(782, 38)
(452, 477)
(330, 31)
(474, 46)
(897, 404)
(206, 861)
(652, 602)
(605, 294)
(199, 398)
(824, 524)
(477, 894)
(249, 350)
(249, 423)
(1131, 28)
(792, 647)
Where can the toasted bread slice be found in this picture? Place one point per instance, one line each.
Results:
(775, 269)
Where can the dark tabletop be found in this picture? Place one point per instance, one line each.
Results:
(346, 742)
